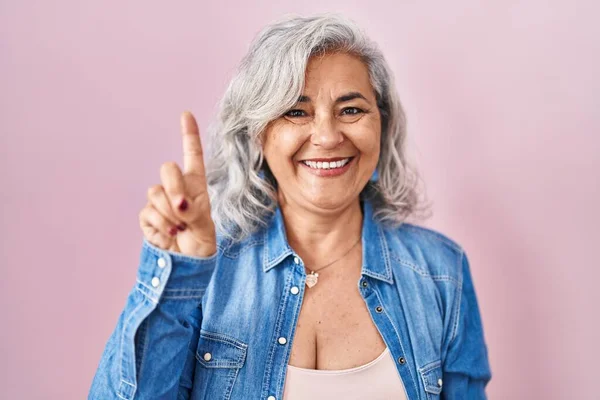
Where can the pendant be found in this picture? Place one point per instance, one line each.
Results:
(311, 279)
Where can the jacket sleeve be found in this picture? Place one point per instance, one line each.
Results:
(466, 366)
(151, 351)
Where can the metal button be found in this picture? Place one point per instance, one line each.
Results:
(282, 340)
(271, 398)
(162, 262)
(294, 290)
(379, 309)
(155, 281)
(364, 284)
(296, 260)
(401, 360)
(207, 356)
(440, 382)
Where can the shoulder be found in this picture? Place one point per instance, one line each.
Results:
(426, 251)
(230, 248)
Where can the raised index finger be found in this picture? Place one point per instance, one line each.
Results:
(193, 160)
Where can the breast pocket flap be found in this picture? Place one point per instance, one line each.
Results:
(431, 374)
(217, 350)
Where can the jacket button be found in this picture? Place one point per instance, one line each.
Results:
(282, 340)
(402, 361)
(364, 284)
(155, 282)
(271, 398)
(297, 261)
(294, 290)
(379, 309)
(440, 382)
(207, 356)
(161, 262)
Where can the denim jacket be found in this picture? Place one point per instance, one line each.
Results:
(210, 328)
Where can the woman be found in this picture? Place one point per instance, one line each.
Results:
(288, 270)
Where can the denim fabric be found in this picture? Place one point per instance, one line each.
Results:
(208, 328)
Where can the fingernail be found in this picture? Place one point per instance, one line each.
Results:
(173, 231)
(181, 226)
(184, 205)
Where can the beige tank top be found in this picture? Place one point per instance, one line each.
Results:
(376, 380)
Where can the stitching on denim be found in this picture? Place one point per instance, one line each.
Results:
(125, 324)
(127, 383)
(432, 365)
(247, 246)
(228, 341)
(281, 257)
(182, 297)
(376, 275)
(157, 251)
(397, 336)
(288, 347)
(146, 333)
(121, 383)
(265, 250)
(456, 308)
(224, 338)
(272, 343)
(222, 248)
(458, 299)
(231, 381)
(152, 291)
(124, 382)
(444, 278)
(173, 294)
(422, 272)
(410, 265)
(220, 363)
(434, 234)
(146, 286)
(386, 255)
(431, 385)
(167, 292)
(146, 295)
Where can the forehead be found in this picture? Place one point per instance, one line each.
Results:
(337, 71)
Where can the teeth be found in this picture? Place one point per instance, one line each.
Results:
(326, 165)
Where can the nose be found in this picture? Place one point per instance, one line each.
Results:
(326, 132)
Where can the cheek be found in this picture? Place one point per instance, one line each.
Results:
(282, 144)
(367, 136)
(368, 142)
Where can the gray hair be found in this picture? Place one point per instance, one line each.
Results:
(242, 190)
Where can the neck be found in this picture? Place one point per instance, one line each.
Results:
(319, 237)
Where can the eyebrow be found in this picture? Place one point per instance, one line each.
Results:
(342, 99)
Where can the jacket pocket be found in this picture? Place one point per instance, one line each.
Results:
(220, 358)
(431, 375)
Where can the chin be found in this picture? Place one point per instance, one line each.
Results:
(329, 200)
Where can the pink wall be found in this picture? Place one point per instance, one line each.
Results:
(502, 102)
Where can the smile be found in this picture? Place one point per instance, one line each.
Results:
(328, 168)
(325, 164)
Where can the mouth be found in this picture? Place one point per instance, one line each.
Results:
(326, 163)
(328, 166)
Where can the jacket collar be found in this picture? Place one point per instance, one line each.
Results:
(376, 259)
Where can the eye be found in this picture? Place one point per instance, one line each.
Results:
(295, 113)
(352, 111)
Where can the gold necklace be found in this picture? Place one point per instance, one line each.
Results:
(313, 278)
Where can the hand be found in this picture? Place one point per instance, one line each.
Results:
(181, 201)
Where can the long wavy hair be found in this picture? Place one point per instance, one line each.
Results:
(269, 80)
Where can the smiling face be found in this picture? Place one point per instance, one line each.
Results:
(323, 151)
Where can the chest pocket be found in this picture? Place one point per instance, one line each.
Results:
(431, 375)
(220, 358)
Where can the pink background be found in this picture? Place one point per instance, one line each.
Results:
(502, 104)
